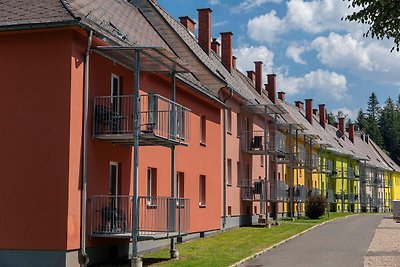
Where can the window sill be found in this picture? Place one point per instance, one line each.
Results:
(203, 144)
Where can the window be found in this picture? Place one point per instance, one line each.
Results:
(262, 161)
(238, 173)
(229, 210)
(229, 121)
(180, 184)
(229, 172)
(203, 130)
(114, 183)
(238, 125)
(202, 191)
(115, 92)
(151, 186)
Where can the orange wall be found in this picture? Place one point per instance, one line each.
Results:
(35, 139)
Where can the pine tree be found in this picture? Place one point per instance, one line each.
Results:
(361, 122)
(389, 123)
(331, 118)
(373, 113)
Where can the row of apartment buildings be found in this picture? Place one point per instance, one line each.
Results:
(123, 130)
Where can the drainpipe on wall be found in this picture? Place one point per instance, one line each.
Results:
(83, 257)
(225, 159)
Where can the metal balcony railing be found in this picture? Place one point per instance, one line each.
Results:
(351, 174)
(253, 142)
(327, 166)
(352, 197)
(159, 217)
(162, 121)
(312, 162)
(253, 190)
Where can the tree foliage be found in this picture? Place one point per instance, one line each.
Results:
(382, 16)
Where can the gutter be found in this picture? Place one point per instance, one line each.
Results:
(225, 158)
(83, 256)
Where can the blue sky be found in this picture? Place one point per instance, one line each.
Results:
(314, 53)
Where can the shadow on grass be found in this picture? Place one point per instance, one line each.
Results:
(150, 261)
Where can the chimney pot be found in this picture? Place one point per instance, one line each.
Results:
(226, 53)
(299, 104)
(258, 67)
(234, 62)
(351, 132)
(322, 115)
(341, 126)
(205, 29)
(251, 75)
(215, 46)
(281, 96)
(271, 87)
(309, 110)
(188, 23)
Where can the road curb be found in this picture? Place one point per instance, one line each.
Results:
(286, 240)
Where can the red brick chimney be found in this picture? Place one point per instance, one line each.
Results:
(281, 96)
(226, 53)
(251, 75)
(204, 37)
(309, 110)
(299, 104)
(188, 23)
(322, 115)
(271, 87)
(341, 126)
(351, 132)
(258, 67)
(215, 46)
(234, 62)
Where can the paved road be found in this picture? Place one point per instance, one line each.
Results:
(343, 242)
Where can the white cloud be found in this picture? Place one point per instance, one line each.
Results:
(247, 55)
(247, 5)
(369, 59)
(214, 2)
(321, 82)
(266, 27)
(348, 113)
(309, 16)
(294, 52)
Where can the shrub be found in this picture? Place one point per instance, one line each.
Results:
(315, 206)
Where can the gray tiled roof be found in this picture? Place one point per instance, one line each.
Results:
(212, 62)
(21, 12)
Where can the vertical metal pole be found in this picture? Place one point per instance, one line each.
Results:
(341, 161)
(310, 164)
(266, 165)
(327, 184)
(297, 171)
(291, 174)
(276, 172)
(135, 260)
(173, 252)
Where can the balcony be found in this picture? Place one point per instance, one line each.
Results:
(280, 192)
(312, 163)
(254, 143)
(161, 121)
(253, 190)
(351, 174)
(327, 167)
(330, 196)
(159, 217)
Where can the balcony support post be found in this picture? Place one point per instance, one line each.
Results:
(135, 260)
(173, 252)
(266, 165)
(341, 163)
(297, 170)
(276, 170)
(291, 174)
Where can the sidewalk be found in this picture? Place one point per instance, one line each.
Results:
(384, 249)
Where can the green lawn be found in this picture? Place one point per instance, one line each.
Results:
(332, 215)
(231, 246)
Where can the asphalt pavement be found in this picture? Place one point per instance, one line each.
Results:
(342, 242)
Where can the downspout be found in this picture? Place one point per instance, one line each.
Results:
(84, 258)
(225, 159)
